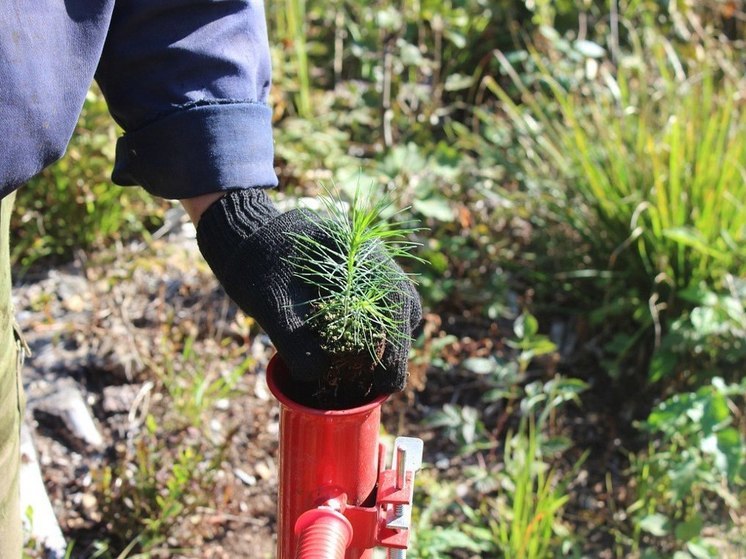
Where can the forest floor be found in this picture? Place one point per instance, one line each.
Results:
(173, 377)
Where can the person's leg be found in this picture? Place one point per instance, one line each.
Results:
(10, 404)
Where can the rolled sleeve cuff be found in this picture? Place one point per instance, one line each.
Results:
(198, 150)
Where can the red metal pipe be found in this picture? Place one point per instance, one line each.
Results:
(328, 458)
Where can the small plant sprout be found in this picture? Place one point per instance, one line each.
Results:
(357, 288)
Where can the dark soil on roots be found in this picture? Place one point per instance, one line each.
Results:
(348, 383)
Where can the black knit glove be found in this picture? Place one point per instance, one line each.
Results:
(249, 246)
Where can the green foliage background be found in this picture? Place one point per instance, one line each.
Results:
(578, 161)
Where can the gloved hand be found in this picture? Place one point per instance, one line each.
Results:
(248, 245)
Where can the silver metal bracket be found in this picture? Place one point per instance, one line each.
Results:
(407, 458)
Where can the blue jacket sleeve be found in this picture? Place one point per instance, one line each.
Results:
(188, 81)
(48, 54)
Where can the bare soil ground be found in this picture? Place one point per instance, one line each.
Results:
(115, 328)
(187, 466)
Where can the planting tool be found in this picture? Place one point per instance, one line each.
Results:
(337, 499)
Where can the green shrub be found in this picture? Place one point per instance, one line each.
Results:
(706, 340)
(694, 471)
(641, 165)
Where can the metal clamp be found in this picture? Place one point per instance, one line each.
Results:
(407, 460)
(388, 523)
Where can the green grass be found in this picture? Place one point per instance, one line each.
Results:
(167, 468)
(657, 163)
(523, 520)
(194, 386)
(646, 164)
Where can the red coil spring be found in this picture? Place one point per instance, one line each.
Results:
(322, 534)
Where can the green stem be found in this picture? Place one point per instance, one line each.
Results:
(296, 22)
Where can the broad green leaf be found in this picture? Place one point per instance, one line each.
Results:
(716, 411)
(589, 49)
(550, 33)
(480, 365)
(456, 82)
(669, 414)
(690, 529)
(438, 261)
(498, 394)
(151, 424)
(683, 476)
(730, 445)
(662, 365)
(696, 411)
(699, 295)
(525, 326)
(555, 445)
(567, 385)
(456, 38)
(410, 54)
(656, 524)
(700, 550)
(706, 321)
(436, 208)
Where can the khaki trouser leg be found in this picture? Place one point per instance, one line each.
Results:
(10, 404)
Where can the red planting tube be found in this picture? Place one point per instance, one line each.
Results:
(328, 458)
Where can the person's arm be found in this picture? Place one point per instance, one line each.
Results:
(48, 55)
(196, 206)
(188, 81)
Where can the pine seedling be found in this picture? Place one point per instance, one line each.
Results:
(354, 312)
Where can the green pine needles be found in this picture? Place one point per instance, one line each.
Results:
(355, 312)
